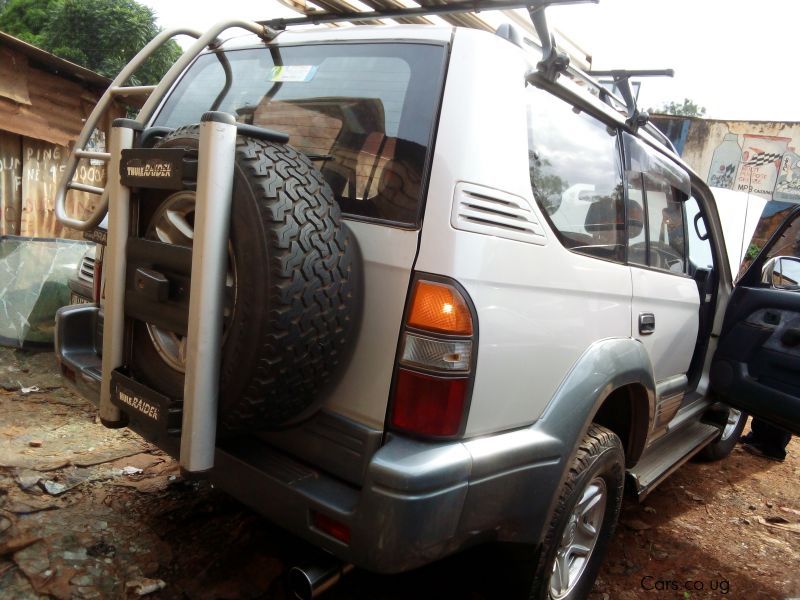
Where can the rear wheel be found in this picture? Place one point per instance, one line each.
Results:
(293, 289)
(584, 520)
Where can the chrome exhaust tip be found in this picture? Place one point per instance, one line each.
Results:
(310, 581)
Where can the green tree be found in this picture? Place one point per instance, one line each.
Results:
(27, 19)
(102, 35)
(687, 108)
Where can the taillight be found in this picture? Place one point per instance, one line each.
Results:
(433, 376)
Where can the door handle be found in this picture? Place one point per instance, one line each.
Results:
(647, 323)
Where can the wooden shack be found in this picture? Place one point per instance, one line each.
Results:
(44, 101)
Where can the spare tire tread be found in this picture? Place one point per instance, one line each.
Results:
(311, 305)
(288, 340)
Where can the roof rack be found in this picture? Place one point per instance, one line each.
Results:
(553, 62)
(621, 79)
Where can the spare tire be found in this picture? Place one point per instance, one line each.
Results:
(294, 292)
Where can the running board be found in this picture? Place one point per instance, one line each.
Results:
(669, 453)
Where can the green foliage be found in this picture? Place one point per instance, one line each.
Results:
(102, 35)
(752, 251)
(27, 19)
(687, 108)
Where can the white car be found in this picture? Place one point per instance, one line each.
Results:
(470, 295)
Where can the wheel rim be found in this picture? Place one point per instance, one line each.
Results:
(579, 539)
(173, 223)
(730, 425)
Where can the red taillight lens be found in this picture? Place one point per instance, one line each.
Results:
(332, 527)
(428, 405)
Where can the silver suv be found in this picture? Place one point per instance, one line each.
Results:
(409, 289)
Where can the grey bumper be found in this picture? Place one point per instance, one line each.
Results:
(78, 339)
(419, 502)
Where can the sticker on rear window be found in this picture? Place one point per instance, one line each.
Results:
(292, 73)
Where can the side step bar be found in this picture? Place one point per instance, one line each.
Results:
(669, 453)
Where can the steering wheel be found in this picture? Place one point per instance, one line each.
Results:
(666, 256)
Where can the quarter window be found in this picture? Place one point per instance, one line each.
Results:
(576, 178)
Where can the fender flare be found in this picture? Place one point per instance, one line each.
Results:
(604, 367)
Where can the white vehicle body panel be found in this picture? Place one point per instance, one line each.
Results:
(388, 255)
(534, 320)
(674, 301)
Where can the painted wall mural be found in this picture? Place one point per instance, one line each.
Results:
(749, 163)
(761, 158)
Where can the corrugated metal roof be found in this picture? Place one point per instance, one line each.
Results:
(53, 63)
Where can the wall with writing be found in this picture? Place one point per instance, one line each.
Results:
(759, 157)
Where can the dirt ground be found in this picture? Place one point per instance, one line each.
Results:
(88, 512)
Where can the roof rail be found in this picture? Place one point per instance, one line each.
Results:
(621, 79)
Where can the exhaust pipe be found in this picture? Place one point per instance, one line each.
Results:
(309, 582)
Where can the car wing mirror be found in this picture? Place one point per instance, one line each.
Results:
(782, 272)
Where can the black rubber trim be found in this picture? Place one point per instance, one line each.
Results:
(127, 124)
(262, 133)
(175, 263)
(215, 116)
(153, 134)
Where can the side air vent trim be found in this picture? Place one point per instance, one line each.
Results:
(491, 212)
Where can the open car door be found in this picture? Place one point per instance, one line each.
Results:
(757, 363)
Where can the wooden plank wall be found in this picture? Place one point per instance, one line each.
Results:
(41, 115)
(10, 183)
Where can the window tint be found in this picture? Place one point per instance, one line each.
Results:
(364, 113)
(576, 176)
(656, 212)
(637, 235)
(667, 238)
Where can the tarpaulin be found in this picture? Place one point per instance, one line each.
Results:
(33, 286)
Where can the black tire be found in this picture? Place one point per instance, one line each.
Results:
(600, 458)
(728, 437)
(298, 290)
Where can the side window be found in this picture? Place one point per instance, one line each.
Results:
(666, 225)
(576, 176)
(637, 235)
(656, 194)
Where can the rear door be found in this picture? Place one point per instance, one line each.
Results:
(757, 363)
(665, 310)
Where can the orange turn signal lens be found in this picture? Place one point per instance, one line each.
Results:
(439, 307)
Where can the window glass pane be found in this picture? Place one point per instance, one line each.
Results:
(665, 225)
(364, 113)
(637, 236)
(699, 250)
(575, 176)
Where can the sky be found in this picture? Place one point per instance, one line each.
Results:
(734, 57)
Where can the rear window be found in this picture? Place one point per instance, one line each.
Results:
(364, 113)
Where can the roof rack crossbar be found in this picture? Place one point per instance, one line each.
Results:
(469, 6)
(636, 118)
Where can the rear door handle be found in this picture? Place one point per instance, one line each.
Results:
(647, 323)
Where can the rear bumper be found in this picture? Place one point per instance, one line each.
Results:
(77, 344)
(419, 501)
